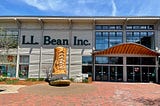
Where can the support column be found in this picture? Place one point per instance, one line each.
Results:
(40, 57)
(124, 69)
(70, 43)
(19, 34)
(93, 48)
(124, 30)
(157, 69)
(93, 68)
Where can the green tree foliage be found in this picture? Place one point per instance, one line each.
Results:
(7, 41)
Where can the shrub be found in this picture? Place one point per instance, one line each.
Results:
(71, 79)
(41, 79)
(31, 79)
(2, 79)
(11, 81)
(85, 80)
(35, 79)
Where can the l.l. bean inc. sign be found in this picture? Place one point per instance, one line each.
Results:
(48, 40)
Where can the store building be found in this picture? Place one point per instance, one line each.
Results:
(124, 49)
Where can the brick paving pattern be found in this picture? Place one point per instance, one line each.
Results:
(79, 94)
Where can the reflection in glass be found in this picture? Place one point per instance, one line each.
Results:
(23, 71)
(144, 38)
(101, 60)
(86, 59)
(115, 60)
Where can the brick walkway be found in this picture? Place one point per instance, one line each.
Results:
(94, 94)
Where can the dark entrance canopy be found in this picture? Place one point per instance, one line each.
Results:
(128, 48)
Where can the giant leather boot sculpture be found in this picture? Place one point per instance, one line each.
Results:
(59, 72)
(59, 66)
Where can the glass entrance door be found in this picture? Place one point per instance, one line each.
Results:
(101, 73)
(133, 74)
(109, 73)
(116, 73)
(148, 74)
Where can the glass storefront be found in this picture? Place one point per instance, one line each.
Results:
(138, 69)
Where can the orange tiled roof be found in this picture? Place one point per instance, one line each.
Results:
(128, 48)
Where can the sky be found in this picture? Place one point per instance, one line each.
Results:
(80, 7)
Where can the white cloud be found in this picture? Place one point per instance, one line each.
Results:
(75, 7)
(35, 3)
(46, 4)
(114, 8)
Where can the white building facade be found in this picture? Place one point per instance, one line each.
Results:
(124, 49)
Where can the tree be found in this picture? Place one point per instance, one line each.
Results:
(7, 41)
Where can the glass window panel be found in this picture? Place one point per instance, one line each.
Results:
(105, 34)
(101, 60)
(15, 33)
(148, 61)
(119, 73)
(119, 27)
(112, 27)
(143, 34)
(105, 27)
(128, 33)
(114, 39)
(140, 27)
(87, 70)
(144, 38)
(98, 34)
(150, 27)
(112, 33)
(23, 71)
(86, 59)
(152, 74)
(98, 27)
(136, 34)
(24, 59)
(133, 60)
(9, 33)
(119, 34)
(143, 27)
(150, 33)
(136, 27)
(115, 60)
(101, 40)
(129, 27)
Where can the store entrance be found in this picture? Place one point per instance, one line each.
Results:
(148, 74)
(141, 74)
(133, 74)
(109, 73)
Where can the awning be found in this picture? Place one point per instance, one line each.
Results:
(128, 48)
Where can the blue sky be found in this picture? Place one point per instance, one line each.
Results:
(80, 7)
